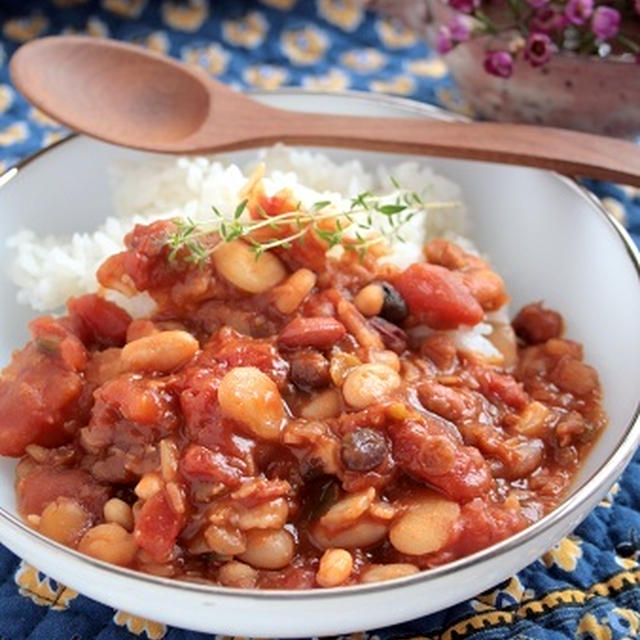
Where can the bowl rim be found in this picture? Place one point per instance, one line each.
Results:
(608, 471)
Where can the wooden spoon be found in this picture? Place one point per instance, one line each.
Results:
(124, 94)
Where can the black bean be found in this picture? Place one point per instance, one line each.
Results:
(394, 308)
(363, 449)
(392, 335)
(309, 369)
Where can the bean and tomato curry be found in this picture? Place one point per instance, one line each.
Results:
(294, 419)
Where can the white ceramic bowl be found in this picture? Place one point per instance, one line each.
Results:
(546, 236)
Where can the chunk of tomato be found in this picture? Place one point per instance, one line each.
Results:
(45, 484)
(105, 323)
(438, 297)
(158, 526)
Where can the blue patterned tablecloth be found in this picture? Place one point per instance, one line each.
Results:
(588, 586)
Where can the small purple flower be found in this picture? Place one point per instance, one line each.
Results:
(466, 6)
(499, 63)
(636, 4)
(459, 28)
(537, 4)
(444, 43)
(605, 23)
(578, 11)
(547, 20)
(538, 49)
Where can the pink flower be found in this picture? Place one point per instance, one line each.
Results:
(605, 23)
(444, 43)
(578, 11)
(466, 6)
(536, 4)
(547, 20)
(499, 63)
(460, 29)
(636, 5)
(538, 49)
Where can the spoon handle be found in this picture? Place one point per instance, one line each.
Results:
(568, 152)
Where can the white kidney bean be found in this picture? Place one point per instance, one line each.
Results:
(289, 295)
(238, 264)
(368, 383)
(335, 567)
(269, 548)
(325, 404)
(148, 485)
(237, 574)
(268, 515)
(163, 351)
(118, 511)
(369, 300)
(64, 521)
(383, 572)
(426, 526)
(109, 542)
(364, 533)
(251, 397)
(346, 511)
(225, 540)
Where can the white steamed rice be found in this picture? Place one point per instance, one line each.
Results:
(49, 270)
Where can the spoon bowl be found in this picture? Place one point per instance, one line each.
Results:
(79, 84)
(127, 95)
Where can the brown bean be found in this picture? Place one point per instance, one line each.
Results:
(318, 332)
(363, 449)
(487, 287)
(443, 400)
(392, 336)
(309, 369)
(535, 324)
(326, 404)
(574, 376)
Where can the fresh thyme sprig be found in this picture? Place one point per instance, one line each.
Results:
(367, 228)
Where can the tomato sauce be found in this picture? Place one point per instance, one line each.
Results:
(296, 434)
